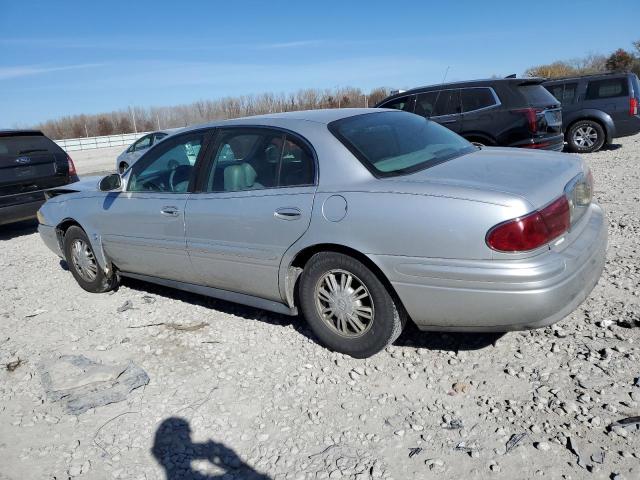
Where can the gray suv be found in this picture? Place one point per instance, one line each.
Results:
(597, 108)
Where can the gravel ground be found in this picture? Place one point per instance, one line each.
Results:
(249, 394)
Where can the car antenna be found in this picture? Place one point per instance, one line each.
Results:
(444, 77)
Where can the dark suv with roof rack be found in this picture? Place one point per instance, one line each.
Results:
(597, 108)
(29, 164)
(509, 112)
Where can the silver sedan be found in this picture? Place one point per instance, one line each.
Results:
(137, 148)
(360, 219)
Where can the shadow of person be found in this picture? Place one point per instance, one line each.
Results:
(174, 450)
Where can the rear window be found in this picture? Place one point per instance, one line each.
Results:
(537, 95)
(609, 88)
(564, 92)
(636, 85)
(477, 98)
(397, 143)
(26, 144)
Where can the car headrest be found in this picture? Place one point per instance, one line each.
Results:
(249, 174)
(234, 178)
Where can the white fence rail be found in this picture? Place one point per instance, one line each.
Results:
(90, 143)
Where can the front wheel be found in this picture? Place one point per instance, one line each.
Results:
(347, 306)
(83, 264)
(585, 136)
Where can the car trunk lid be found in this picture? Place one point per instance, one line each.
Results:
(539, 177)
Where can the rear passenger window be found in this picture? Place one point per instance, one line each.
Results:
(252, 159)
(399, 104)
(425, 103)
(448, 103)
(565, 93)
(442, 102)
(476, 98)
(609, 88)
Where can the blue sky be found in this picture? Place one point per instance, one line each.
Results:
(67, 57)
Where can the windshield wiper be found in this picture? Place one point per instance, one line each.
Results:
(32, 150)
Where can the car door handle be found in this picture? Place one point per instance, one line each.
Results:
(287, 213)
(170, 211)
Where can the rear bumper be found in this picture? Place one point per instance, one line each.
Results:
(19, 212)
(555, 142)
(492, 295)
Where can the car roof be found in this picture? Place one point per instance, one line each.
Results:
(487, 82)
(9, 132)
(591, 76)
(321, 116)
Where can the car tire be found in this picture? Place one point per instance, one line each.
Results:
(123, 167)
(82, 262)
(347, 306)
(585, 136)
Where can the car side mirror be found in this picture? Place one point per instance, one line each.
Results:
(110, 182)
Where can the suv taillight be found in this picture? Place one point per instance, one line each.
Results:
(633, 106)
(533, 230)
(531, 114)
(72, 167)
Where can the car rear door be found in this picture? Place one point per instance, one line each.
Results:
(254, 201)
(478, 110)
(29, 163)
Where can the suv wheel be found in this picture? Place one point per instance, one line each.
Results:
(347, 306)
(585, 136)
(83, 264)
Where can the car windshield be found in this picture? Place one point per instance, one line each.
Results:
(398, 143)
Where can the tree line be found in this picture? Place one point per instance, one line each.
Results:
(140, 119)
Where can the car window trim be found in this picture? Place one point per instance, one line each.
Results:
(201, 176)
(208, 134)
(496, 99)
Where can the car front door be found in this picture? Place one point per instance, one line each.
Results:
(143, 226)
(254, 201)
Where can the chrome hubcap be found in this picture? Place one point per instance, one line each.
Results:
(83, 260)
(585, 136)
(344, 303)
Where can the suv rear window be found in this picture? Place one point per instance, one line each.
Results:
(564, 92)
(477, 98)
(397, 143)
(537, 95)
(25, 144)
(609, 88)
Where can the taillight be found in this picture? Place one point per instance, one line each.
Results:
(531, 114)
(633, 106)
(72, 167)
(532, 230)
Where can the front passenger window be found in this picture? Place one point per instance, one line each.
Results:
(167, 167)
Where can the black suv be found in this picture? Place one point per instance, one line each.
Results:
(597, 108)
(29, 164)
(509, 112)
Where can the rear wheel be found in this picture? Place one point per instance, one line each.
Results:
(585, 136)
(347, 306)
(82, 262)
